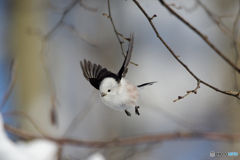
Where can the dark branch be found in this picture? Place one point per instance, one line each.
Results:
(129, 140)
(205, 38)
(231, 93)
(116, 32)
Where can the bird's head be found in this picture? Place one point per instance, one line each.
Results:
(108, 87)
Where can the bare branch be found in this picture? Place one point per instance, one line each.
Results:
(78, 119)
(85, 38)
(235, 41)
(115, 30)
(204, 37)
(25, 115)
(189, 92)
(188, 9)
(60, 22)
(129, 140)
(216, 19)
(50, 81)
(45, 38)
(234, 94)
(43, 58)
(87, 7)
(13, 77)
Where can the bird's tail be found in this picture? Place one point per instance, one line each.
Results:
(146, 84)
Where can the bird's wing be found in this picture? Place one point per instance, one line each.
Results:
(123, 71)
(95, 73)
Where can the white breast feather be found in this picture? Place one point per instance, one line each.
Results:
(125, 96)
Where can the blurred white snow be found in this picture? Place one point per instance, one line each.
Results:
(33, 150)
(96, 156)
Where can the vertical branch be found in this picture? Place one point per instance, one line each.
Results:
(53, 112)
(114, 28)
(13, 77)
(235, 32)
(116, 32)
(235, 45)
(43, 53)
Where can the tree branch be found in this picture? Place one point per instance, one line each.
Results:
(136, 140)
(13, 77)
(205, 38)
(231, 93)
(116, 32)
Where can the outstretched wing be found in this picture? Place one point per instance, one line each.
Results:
(123, 71)
(95, 73)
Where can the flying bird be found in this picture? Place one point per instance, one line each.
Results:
(115, 91)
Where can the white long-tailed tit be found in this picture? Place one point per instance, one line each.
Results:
(115, 91)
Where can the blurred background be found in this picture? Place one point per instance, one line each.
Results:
(48, 38)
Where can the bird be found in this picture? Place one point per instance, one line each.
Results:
(116, 92)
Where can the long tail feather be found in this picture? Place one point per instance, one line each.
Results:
(146, 84)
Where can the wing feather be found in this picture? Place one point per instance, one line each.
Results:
(84, 71)
(95, 73)
(123, 71)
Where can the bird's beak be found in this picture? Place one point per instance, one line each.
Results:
(103, 94)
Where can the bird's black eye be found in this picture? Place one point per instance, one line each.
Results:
(109, 90)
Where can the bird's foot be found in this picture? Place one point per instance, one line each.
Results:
(136, 110)
(128, 113)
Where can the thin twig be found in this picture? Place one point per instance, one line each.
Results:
(43, 54)
(234, 94)
(216, 19)
(205, 38)
(136, 140)
(116, 32)
(93, 9)
(13, 77)
(235, 45)
(73, 30)
(53, 113)
(189, 92)
(188, 9)
(60, 22)
(61, 10)
(25, 115)
(78, 119)
(235, 32)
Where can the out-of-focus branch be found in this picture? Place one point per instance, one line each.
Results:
(235, 41)
(13, 77)
(231, 93)
(74, 32)
(43, 53)
(216, 19)
(93, 9)
(53, 114)
(205, 38)
(60, 22)
(25, 115)
(235, 33)
(129, 140)
(116, 32)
